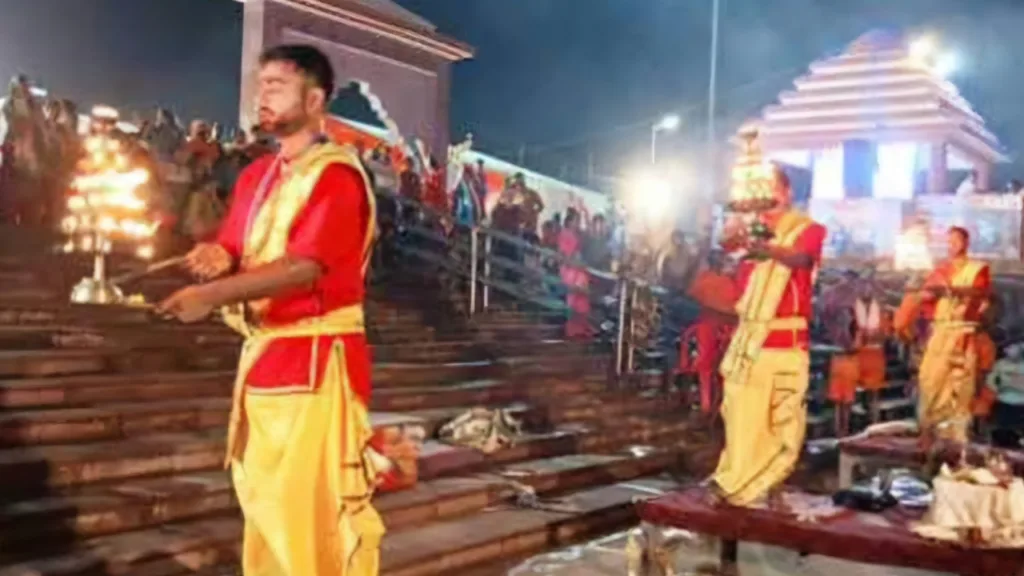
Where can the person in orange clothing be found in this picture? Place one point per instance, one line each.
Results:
(863, 365)
(715, 288)
(958, 292)
(767, 365)
(288, 267)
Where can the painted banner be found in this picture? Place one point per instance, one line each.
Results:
(994, 222)
(864, 228)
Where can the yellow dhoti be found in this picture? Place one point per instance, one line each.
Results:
(765, 415)
(946, 381)
(302, 468)
(764, 407)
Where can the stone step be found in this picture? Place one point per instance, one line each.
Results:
(485, 392)
(597, 408)
(79, 391)
(129, 326)
(67, 362)
(42, 338)
(413, 374)
(34, 471)
(137, 504)
(437, 548)
(111, 421)
(891, 409)
(82, 315)
(89, 390)
(455, 546)
(124, 420)
(85, 391)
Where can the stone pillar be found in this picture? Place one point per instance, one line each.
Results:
(254, 32)
(440, 137)
(984, 171)
(938, 171)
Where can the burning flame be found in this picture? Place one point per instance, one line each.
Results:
(106, 207)
(112, 179)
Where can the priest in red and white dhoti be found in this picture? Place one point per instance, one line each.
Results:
(288, 268)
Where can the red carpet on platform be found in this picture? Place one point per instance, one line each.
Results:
(861, 537)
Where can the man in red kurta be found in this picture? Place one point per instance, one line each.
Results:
(288, 266)
(767, 365)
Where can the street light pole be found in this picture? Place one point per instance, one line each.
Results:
(654, 144)
(712, 96)
(668, 123)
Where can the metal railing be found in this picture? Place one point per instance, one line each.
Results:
(494, 265)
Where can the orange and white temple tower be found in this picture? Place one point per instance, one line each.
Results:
(879, 120)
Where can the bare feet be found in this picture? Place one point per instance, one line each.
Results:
(777, 503)
(713, 496)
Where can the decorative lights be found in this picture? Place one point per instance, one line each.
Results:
(105, 211)
(753, 185)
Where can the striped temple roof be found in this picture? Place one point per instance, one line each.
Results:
(875, 90)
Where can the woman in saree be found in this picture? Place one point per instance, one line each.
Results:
(575, 277)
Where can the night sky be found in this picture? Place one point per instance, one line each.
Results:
(567, 79)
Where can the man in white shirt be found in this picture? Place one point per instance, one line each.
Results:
(1006, 381)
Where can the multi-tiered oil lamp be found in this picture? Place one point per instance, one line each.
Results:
(753, 186)
(104, 208)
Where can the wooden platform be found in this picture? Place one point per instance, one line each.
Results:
(882, 539)
(893, 451)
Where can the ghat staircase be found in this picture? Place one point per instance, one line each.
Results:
(112, 427)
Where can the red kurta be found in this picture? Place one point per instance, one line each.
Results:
(799, 293)
(943, 275)
(330, 229)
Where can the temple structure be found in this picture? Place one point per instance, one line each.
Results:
(400, 61)
(880, 121)
(876, 139)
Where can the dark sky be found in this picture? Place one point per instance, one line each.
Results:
(565, 78)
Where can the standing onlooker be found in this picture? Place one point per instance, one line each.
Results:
(597, 251)
(23, 152)
(507, 218)
(1005, 386)
(678, 264)
(575, 277)
(164, 137)
(434, 194)
(480, 188)
(532, 207)
(410, 188)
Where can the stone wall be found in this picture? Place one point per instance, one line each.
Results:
(412, 84)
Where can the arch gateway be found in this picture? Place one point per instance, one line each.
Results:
(372, 42)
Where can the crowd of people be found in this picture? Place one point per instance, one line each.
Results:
(192, 171)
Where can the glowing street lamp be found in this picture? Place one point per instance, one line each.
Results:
(669, 123)
(947, 65)
(926, 53)
(922, 49)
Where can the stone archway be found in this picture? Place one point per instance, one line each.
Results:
(405, 60)
(357, 101)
